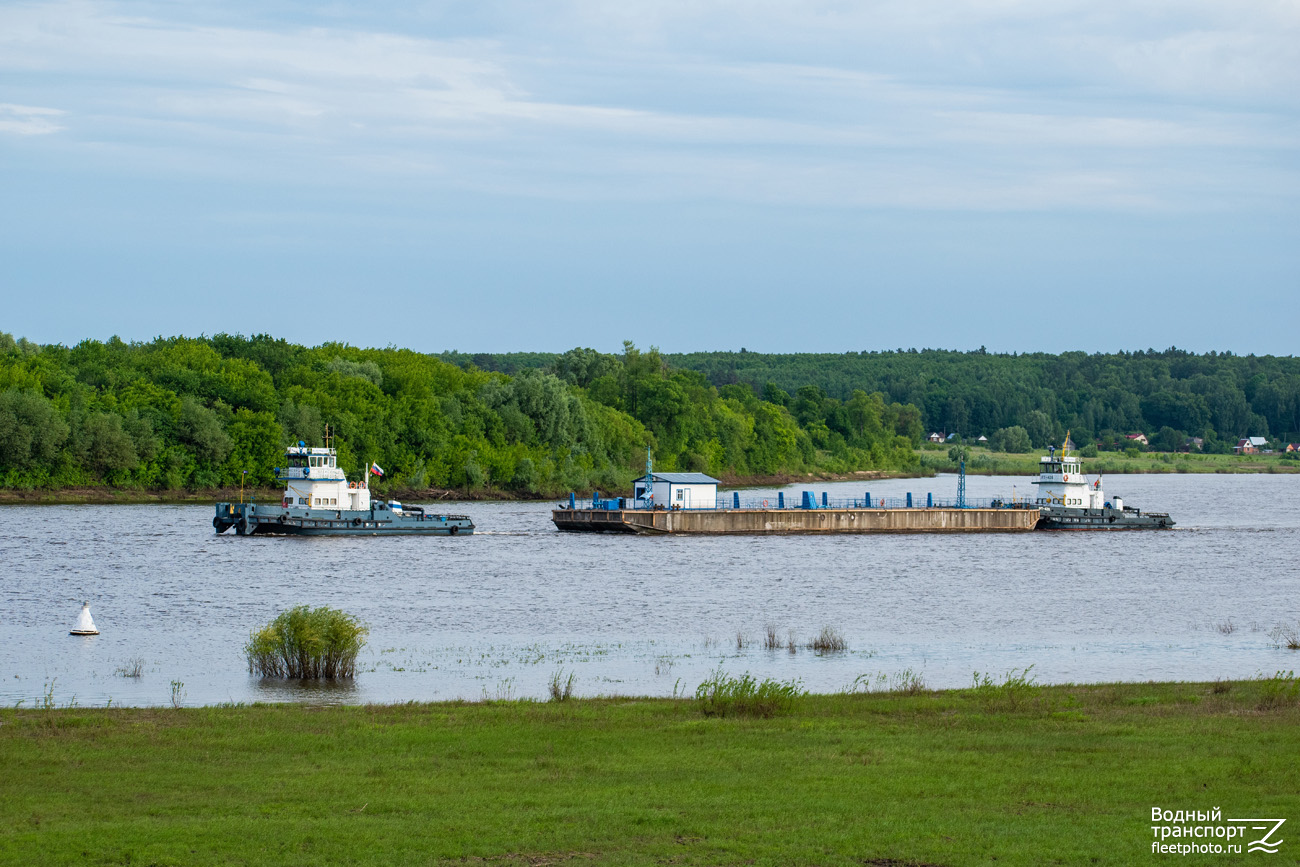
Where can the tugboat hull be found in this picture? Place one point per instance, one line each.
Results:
(250, 519)
(1063, 518)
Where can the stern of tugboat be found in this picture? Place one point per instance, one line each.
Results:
(232, 515)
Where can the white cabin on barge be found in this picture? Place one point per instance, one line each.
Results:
(676, 491)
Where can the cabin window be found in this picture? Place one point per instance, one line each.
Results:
(679, 493)
(334, 501)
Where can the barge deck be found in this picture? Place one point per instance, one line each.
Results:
(1007, 519)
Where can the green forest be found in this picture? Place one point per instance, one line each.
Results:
(1168, 395)
(196, 414)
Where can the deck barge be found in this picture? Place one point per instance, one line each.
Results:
(809, 517)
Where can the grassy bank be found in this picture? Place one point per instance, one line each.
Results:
(130, 496)
(985, 462)
(1014, 774)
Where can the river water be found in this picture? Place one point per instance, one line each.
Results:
(499, 613)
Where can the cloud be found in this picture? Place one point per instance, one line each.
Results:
(966, 104)
(28, 120)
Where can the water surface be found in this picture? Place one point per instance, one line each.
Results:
(498, 613)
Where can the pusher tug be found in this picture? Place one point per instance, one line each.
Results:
(1068, 501)
(320, 501)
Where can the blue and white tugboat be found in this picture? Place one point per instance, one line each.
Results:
(320, 501)
(1067, 500)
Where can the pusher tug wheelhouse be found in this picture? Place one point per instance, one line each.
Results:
(320, 501)
(1068, 501)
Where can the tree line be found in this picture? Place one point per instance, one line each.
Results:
(1169, 395)
(203, 413)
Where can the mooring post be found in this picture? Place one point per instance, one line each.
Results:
(573, 504)
(909, 499)
(868, 499)
(824, 501)
(780, 499)
(929, 501)
(735, 499)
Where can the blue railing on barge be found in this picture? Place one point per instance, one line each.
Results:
(806, 500)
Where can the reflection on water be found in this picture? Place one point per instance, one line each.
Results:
(497, 614)
(311, 692)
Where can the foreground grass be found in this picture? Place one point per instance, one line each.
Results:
(1020, 776)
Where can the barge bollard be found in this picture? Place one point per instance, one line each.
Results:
(929, 501)
(572, 500)
(868, 499)
(909, 499)
(735, 499)
(808, 501)
(780, 499)
(824, 500)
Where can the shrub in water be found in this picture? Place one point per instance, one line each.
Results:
(828, 641)
(307, 643)
(722, 695)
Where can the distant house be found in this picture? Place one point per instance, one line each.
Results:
(1292, 447)
(1250, 445)
(1193, 443)
(935, 437)
(1137, 438)
(983, 440)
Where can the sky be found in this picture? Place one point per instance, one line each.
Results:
(782, 176)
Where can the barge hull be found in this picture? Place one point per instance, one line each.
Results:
(796, 521)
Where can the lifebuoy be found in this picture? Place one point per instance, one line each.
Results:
(1065, 478)
(765, 504)
(352, 486)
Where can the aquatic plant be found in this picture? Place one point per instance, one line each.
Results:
(771, 641)
(722, 694)
(1285, 636)
(828, 641)
(307, 643)
(133, 667)
(561, 687)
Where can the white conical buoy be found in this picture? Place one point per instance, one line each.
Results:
(85, 625)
